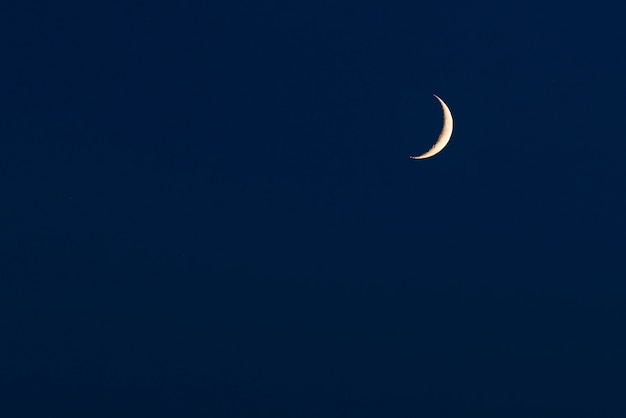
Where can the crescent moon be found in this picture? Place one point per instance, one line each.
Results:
(444, 136)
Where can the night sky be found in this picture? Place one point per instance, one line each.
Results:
(209, 210)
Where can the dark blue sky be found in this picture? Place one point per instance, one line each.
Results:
(209, 210)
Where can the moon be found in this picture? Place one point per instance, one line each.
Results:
(444, 136)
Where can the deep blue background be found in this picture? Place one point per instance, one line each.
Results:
(208, 209)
